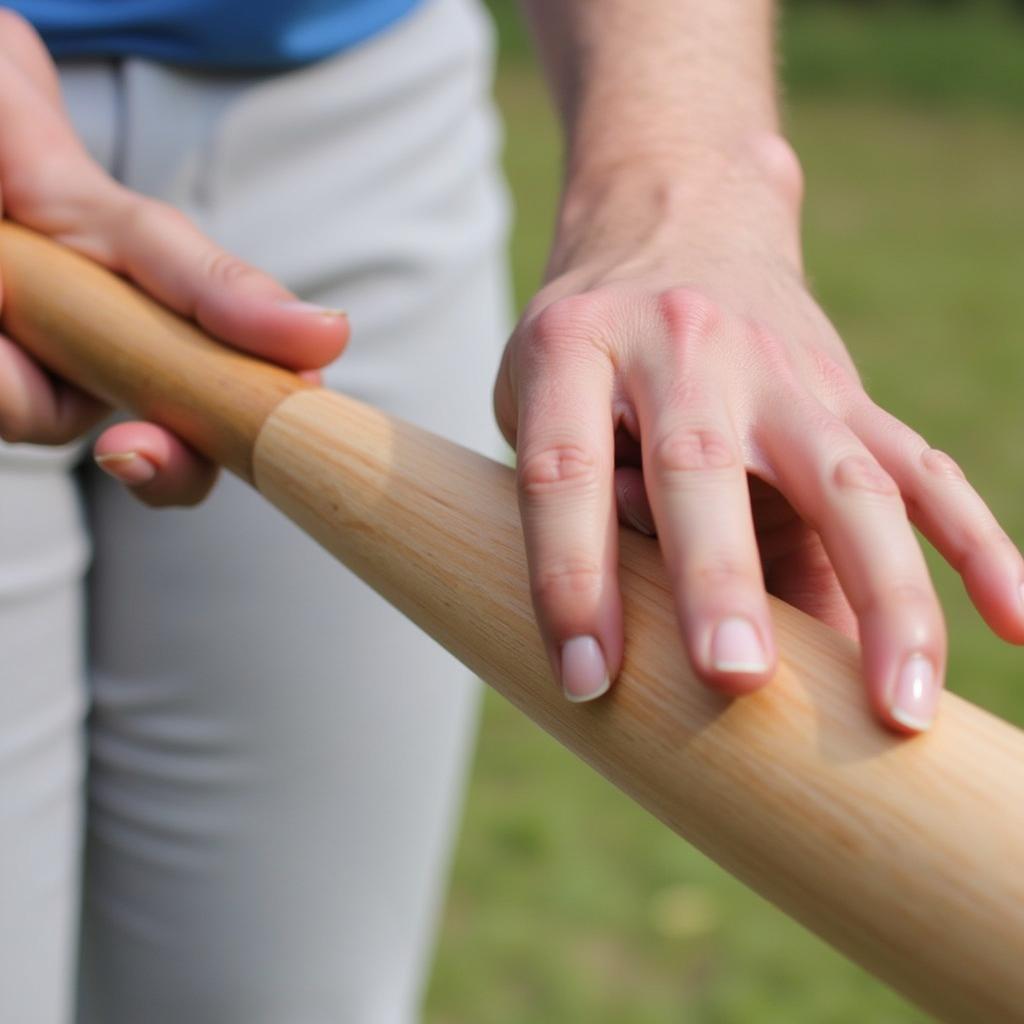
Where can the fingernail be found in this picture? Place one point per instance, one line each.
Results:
(736, 647)
(915, 698)
(584, 671)
(311, 308)
(129, 468)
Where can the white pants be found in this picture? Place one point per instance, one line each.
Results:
(275, 757)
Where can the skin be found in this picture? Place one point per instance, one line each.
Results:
(674, 372)
(48, 182)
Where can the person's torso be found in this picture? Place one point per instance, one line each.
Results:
(210, 33)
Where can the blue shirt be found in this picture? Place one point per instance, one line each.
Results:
(209, 33)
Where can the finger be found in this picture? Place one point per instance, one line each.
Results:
(51, 184)
(796, 565)
(154, 465)
(37, 408)
(170, 258)
(49, 181)
(804, 578)
(20, 44)
(841, 491)
(696, 485)
(952, 515)
(631, 500)
(503, 397)
(564, 478)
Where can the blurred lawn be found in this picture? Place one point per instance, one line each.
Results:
(569, 904)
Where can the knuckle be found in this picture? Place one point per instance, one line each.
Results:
(861, 473)
(909, 445)
(939, 464)
(567, 578)
(837, 384)
(573, 320)
(692, 449)
(825, 435)
(688, 314)
(227, 271)
(556, 469)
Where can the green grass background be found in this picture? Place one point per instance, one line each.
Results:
(569, 905)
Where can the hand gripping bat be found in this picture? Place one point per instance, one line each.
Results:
(907, 854)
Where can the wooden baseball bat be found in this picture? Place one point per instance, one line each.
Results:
(905, 854)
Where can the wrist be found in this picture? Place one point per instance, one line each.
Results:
(754, 188)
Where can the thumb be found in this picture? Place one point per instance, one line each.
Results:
(163, 252)
(51, 184)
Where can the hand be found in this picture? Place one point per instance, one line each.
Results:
(49, 183)
(675, 368)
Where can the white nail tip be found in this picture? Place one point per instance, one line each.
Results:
(917, 724)
(915, 696)
(747, 667)
(587, 698)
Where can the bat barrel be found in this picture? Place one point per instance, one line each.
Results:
(905, 854)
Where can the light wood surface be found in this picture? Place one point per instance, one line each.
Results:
(906, 854)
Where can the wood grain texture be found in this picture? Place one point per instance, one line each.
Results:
(97, 330)
(906, 854)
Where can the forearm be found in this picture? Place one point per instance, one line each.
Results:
(661, 80)
(671, 126)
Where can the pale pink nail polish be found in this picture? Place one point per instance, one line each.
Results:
(584, 670)
(736, 647)
(129, 468)
(915, 697)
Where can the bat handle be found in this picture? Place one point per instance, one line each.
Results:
(103, 335)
